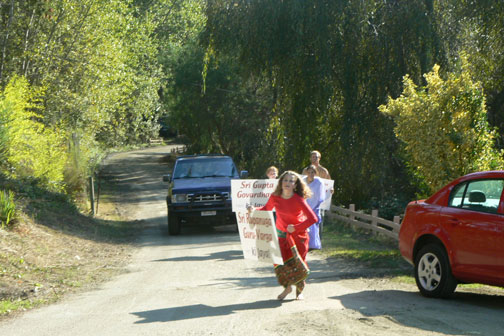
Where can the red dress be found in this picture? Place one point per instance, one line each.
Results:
(294, 211)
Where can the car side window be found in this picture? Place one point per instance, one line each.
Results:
(479, 195)
(457, 195)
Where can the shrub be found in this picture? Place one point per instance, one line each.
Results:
(443, 128)
(31, 148)
(7, 208)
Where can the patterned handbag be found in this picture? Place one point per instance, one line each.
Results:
(294, 269)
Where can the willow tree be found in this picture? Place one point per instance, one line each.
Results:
(331, 64)
(480, 34)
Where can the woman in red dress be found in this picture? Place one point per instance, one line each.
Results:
(293, 217)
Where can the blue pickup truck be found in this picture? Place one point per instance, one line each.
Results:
(200, 189)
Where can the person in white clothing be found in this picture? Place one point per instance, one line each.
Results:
(318, 196)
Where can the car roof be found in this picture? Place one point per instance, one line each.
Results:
(443, 193)
(202, 157)
(483, 174)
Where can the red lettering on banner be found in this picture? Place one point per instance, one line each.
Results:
(249, 234)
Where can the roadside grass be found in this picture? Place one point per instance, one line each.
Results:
(376, 252)
(7, 306)
(54, 249)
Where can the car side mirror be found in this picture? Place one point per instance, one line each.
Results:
(167, 178)
(243, 174)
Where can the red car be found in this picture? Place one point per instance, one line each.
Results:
(457, 235)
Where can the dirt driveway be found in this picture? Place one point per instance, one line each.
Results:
(199, 284)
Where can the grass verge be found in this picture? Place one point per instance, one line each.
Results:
(377, 253)
(374, 251)
(54, 249)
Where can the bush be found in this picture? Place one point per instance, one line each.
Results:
(7, 208)
(444, 128)
(388, 207)
(31, 148)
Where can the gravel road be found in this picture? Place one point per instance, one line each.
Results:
(199, 284)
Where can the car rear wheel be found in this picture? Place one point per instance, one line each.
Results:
(173, 225)
(433, 274)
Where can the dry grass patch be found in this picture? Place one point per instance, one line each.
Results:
(54, 249)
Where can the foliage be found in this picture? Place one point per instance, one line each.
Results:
(271, 79)
(96, 60)
(33, 150)
(7, 306)
(7, 208)
(223, 117)
(479, 27)
(444, 128)
(176, 24)
(388, 207)
(4, 140)
(330, 64)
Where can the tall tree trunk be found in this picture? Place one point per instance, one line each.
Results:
(6, 39)
(26, 61)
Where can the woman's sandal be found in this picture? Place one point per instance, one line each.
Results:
(286, 292)
(299, 295)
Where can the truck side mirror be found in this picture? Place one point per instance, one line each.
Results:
(243, 174)
(167, 178)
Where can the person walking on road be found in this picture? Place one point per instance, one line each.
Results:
(318, 196)
(322, 172)
(294, 216)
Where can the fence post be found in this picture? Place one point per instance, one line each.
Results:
(352, 208)
(98, 193)
(374, 222)
(91, 188)
(397, 220)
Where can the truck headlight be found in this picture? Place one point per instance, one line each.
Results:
(179, 198)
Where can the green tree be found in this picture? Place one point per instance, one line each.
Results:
(331, 64)
(33, 150)
(96, 60)
(223, 117)
(176, 25)
(480, 38)
(443, 127)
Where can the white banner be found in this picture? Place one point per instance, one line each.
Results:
(258, 236)
(257, 193)
(254, 192)
(328, 185)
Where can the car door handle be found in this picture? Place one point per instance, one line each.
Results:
(453, 220)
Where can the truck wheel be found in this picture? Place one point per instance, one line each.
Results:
(173, 225)
(433, 274)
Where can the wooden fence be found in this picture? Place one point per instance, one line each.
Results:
(365, 221)
(157, 141)
(178, 150)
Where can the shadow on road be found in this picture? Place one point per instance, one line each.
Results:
(200, 310)
(222, 256)
(464, 314)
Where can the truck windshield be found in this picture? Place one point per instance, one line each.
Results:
(200, 168)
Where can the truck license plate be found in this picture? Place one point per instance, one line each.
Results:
(208, 213)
